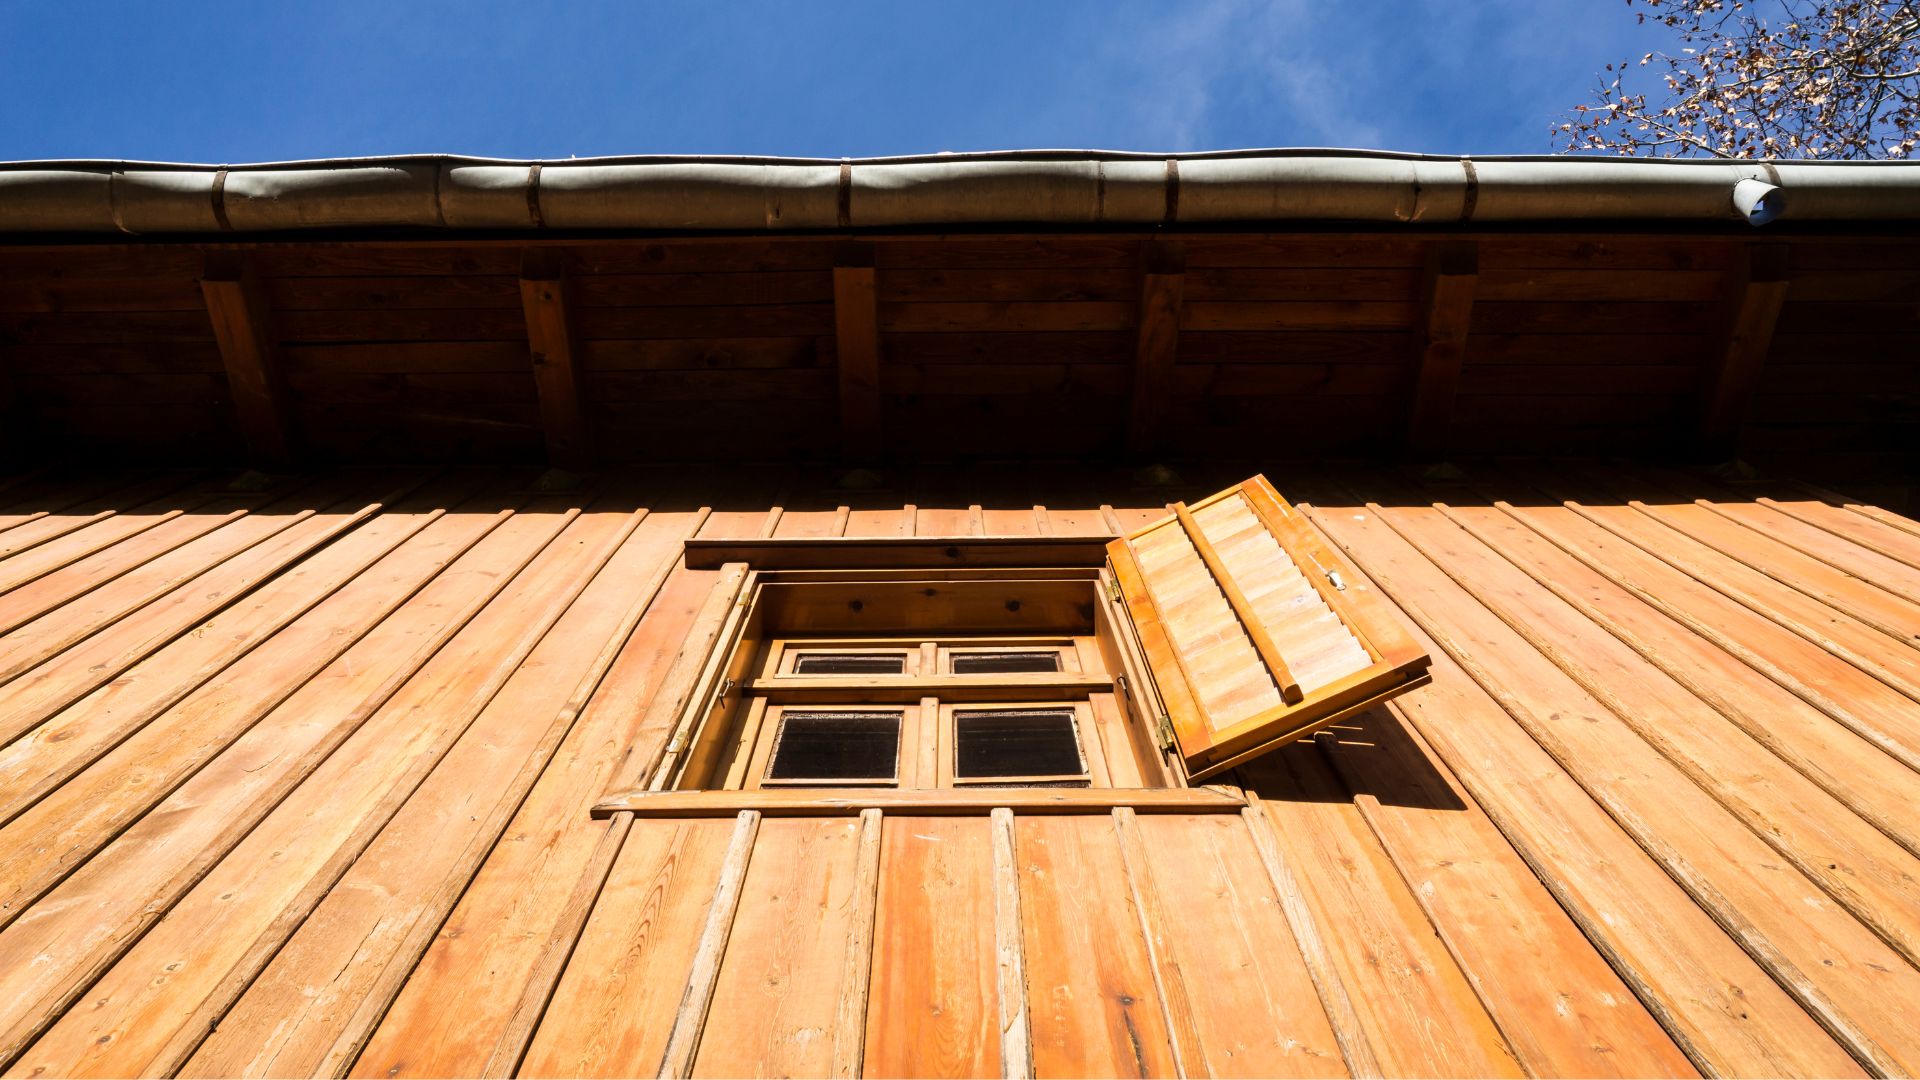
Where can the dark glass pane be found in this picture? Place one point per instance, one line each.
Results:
(1015, 742)
(1004, 663)
(836, 746)
(850, 664)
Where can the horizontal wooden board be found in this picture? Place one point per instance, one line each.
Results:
(701, 354)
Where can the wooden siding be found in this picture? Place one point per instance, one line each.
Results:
(300, 781)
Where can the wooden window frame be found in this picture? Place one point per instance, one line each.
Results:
(1073, 608)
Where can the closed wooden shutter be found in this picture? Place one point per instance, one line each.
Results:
(1253, 628)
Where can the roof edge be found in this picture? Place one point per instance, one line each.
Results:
(1029, 187)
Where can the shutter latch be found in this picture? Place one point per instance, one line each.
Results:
(1333, 576)
(1166, 732)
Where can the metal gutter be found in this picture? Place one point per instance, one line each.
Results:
(1036, 187)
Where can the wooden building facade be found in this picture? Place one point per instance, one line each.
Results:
(644, 638)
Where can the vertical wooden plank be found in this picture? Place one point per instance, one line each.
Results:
(777, 997)
(1446, 301)
(856, 325)
(850, 1023)
(238, 311)
(1010, 945)
(1419, 1010)
(690, 1020)
(1254, 1005)
(934, 1009)
(616, 1004)
(1562, 1007)
(1189, 1052)
(1347, 1030)
(1753, 308)
(927, 741)
(1162, 288)
(543, 297)
(1089, 973)
(1709, 993)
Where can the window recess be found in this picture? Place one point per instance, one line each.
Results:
(916, 680)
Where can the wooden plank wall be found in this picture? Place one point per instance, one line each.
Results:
(990, 347)
(298, 781)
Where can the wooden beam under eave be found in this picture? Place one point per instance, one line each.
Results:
(237, 308)
(1446, 311)
(856, 329)
(1757, 291)
(556, 379)
(13, 416)
(1157, 346)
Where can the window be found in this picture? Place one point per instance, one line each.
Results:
(838, 662)
(1216, 634)
(973, 710)
(1038, 745)
(1003, 662)
(812, 746)
(919, 680)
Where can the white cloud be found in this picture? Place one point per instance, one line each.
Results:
(1188, 73)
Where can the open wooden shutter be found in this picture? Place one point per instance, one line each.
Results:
(1253, 629)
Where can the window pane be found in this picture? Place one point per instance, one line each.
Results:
(850, 664)
(836, 746)
(1005, 663)
(1015, 742)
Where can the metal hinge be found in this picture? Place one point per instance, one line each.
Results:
(677, 743)
(1166, 732)
(1113, 590)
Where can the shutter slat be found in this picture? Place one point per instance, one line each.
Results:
(1251, 629)
(1242, 608)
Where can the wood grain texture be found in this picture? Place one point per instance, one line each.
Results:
(335, 750)
(256, 380)
(933, 1008)
(1157, 345)
(1446, 301)
(856, 328)
(1735, 1012)
(703, 970)
(1756, 295)
(1245, 984)
(544, 297)
(1089, 976)
(614, 1008)
(776, 998)
(1419, 1011)
(1562, 1008)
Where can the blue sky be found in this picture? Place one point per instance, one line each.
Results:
(187, 80)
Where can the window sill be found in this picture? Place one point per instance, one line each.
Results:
(826, 802)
